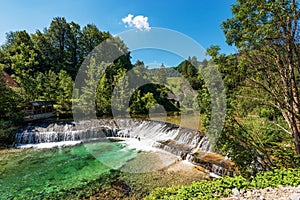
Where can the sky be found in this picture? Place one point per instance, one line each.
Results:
(198, 20)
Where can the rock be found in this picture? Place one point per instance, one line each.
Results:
(236, 192)
(294, 197)
(255, 191)
(262, 198)
(281, 193)
(248, 194)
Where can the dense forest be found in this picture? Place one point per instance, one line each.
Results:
(262, 125)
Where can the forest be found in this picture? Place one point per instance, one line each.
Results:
(44, 65)
(262, 81)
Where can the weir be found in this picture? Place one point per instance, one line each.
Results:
(183, 142)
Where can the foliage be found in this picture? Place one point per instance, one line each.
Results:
(10, 116)
(252, 126)
(55, 87)
(222, 187)
(8, 126)
(142, 104)
(284, 156)
(8, 98)
(161, 78)
(266, 35)
(189, 69)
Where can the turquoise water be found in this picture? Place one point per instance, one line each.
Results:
(59, 172)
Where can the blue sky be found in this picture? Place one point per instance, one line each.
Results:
(197, 19)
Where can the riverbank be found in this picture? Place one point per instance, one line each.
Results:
(281, 193)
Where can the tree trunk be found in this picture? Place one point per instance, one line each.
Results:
(296, 134)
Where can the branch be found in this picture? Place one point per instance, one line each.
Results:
(288, 132)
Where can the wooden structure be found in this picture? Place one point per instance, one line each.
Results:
(38, 110)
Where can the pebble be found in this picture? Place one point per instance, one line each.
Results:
(295, 197)
(236, 192)
(282, 193)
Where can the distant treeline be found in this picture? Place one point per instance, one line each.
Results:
(44, 66)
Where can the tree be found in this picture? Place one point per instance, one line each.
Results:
(73, 50)
(88, 91)
(19, 54)
(266, 34)
(64, 91)
(162, 78)
(121, 92)
(58, 32)
(91, 37)
(103, 97)
(56, 87)
(141, 103)
(21, 60)
(246, 144)
(45, 51)
(8, 98)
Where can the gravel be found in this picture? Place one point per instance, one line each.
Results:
(281, 193)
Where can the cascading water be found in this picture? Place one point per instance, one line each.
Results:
(172, 138)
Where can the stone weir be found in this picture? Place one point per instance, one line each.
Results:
(189, 144)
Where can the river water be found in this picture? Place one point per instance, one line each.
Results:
(53, 170)
(44, 173)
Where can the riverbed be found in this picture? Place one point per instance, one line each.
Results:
(101, 168)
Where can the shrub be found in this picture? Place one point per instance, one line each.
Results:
(222, 187)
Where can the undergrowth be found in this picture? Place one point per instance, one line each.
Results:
(222, 187)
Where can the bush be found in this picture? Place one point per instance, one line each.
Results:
(222, 187)
(7, 127)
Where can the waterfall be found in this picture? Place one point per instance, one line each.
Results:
(172, 138)
(34, 136)
(162, 134)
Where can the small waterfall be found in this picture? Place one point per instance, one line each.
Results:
(61, 132)
(172, 138)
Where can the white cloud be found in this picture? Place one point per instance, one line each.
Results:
(140, 22)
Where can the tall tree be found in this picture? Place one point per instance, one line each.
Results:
(91, 37)
(21, 60)
(64, 91)
(244, 143)
(56, 87)
(45, 50)
(161, 77)
(59, 31)
(267, 36)
(74, 52)
(19, 54)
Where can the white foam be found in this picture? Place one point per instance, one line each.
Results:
(141, 144)
(213, 175)
(186, 162)
(50, 144)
